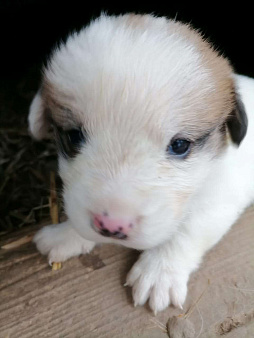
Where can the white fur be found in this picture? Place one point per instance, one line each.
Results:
(60, 242)
(130, 106)
(36, 118)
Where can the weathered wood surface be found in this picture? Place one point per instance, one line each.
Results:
(86, 298)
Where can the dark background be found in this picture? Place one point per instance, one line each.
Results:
(29, 30)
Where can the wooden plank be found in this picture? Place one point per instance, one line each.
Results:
(86, 298)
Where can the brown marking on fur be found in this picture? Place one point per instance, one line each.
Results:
(201, 112)
(135, 21)
(221, 100)
(219, 68)
(59, 112)
(216, 142)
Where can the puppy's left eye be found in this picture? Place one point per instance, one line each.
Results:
(70, 141)
(179, 147)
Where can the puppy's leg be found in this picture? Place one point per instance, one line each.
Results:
(161, 274)
(60, 242)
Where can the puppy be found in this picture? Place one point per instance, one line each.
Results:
(154, 151)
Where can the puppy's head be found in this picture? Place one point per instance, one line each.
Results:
(140, 108)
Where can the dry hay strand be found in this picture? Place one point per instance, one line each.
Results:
(180, 326)
(24, 163)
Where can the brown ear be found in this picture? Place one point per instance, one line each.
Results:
(37, 119)
(237, 121)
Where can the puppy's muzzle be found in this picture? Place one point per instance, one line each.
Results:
(111, 227)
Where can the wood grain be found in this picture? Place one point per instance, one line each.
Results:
(86, 298)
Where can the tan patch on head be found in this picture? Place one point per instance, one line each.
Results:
(198, 110)
(135, 20)
(58, 106)
(201, 109)
(218, 66)
(220, 102)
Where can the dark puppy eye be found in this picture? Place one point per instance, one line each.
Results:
(70, 141)
(76, 136)
(179, 147)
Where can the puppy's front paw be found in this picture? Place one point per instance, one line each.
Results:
(61, 242)
(158, 281)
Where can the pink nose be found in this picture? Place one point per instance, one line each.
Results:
(112, 227)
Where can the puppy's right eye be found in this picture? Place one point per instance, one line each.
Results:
(179, 147)
(70, 141)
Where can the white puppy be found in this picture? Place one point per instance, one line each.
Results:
(154, 151)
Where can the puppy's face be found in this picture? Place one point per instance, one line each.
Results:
(140, 108)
